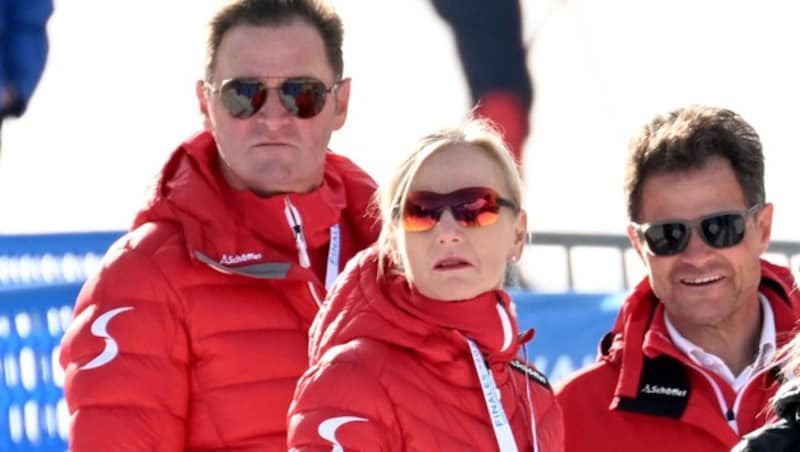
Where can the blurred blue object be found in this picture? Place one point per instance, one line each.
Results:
(33, 414)
(40, 276)
(43, 259)
(568, 327)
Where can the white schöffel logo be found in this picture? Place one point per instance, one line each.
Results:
(239, 258)
(663, 390)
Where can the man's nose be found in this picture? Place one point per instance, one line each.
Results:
(696, 249)
(273, 108)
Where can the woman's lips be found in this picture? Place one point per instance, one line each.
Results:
(451, 263)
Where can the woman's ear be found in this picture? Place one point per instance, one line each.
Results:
(520, 235)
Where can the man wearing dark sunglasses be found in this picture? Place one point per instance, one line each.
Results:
(690, 362)
(194, 333)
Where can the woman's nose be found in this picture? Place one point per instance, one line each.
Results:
(448, 229)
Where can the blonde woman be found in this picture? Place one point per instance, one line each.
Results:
(416, 347)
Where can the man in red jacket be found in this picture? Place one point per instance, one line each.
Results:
(689, 364)
(195, 331)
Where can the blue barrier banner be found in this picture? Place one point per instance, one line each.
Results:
(36, 260)
(33, 414)
(568, 328)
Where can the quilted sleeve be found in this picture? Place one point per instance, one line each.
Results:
(125, 357)
(338, 405)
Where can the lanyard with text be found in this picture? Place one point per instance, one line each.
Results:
(333, 258)
(502, 429)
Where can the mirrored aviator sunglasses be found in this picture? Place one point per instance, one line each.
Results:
(302, 97)
(471, 207)
(718, 230)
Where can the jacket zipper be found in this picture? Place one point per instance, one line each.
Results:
(739, 396)
(729, 413)
(296, 224)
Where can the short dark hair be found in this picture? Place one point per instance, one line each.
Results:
(316, 13)
(685, 139)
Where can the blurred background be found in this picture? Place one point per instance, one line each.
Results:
(117, 96)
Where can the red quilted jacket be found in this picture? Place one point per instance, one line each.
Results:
(195, 331)
(392, 371)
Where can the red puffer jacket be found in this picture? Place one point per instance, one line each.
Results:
(644, 394)
(392, 371)
(195, 331)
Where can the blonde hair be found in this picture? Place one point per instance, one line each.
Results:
(789, 357)
(472, 131)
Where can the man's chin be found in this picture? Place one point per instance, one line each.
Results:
(280, 182)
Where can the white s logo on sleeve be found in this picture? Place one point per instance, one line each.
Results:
(327, 429)
(100, 329)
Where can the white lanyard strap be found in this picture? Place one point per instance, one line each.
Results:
(333, 257)
(502, 429)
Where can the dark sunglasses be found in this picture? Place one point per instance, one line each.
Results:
(302, 97)
(471, 207)
(718, 230)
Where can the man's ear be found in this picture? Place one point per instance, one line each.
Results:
(342, 101)
(763, 219)
(202, 100)
(634, 239)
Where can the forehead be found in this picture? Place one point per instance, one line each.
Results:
(457, 166)
(292, 49)
(692, 193)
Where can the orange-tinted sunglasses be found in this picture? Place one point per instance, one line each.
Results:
(471, 207)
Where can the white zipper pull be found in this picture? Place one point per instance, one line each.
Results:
(293, 217)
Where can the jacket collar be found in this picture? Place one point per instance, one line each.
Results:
(640, 330)
(239, 232)
(387, 310)
(486, 319)
(653, 374)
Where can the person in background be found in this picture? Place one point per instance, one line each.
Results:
(783, 434)
(194, 332)
(416, 346)
(23, 52)
(490, 46)
(690, 362)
